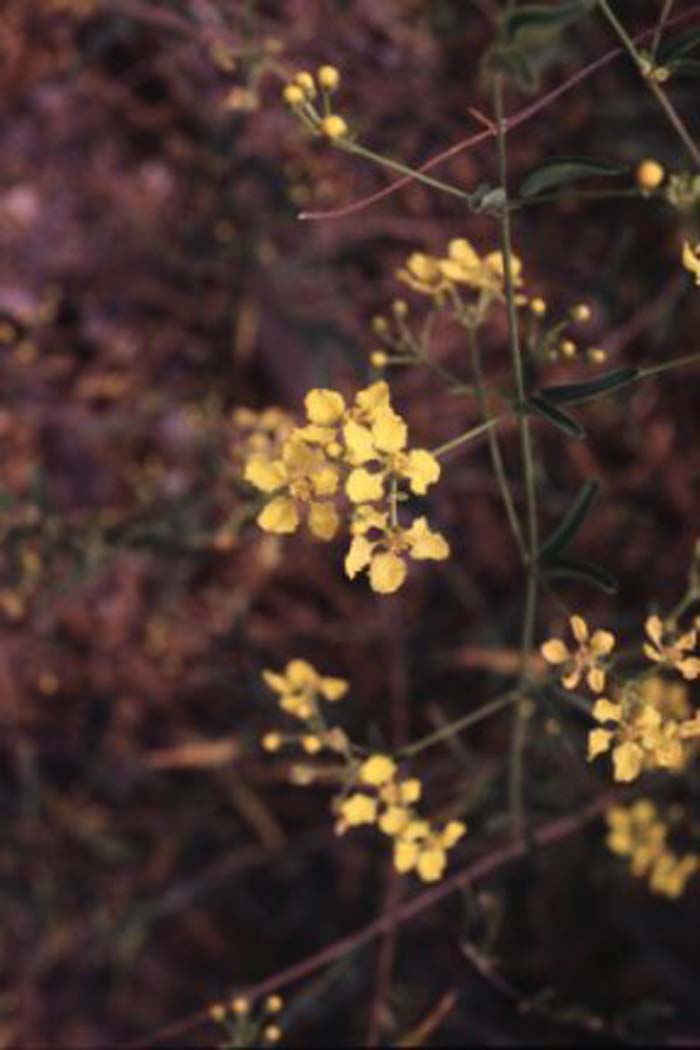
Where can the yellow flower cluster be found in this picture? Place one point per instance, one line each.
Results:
(374, 793)
(301, 691)
(639, 833)
(647, 725)
(359, 451)
(663, 648)
(302, 91)
(461, 267)
(378, 796)
(588, 659)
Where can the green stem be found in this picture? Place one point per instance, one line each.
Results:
(663, 18)
(494, 445)
(462, 439)
(653, 85)
(450, 730)
(521, 715)
(667, 366)
(403, 169)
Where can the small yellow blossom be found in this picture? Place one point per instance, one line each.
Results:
(384, 556)
(423, 849)
(588, 659)
(377, 770)
(672, 652)
(358, 809)
(463, 265)
(691, 260)
(299, 479)
(423, 273)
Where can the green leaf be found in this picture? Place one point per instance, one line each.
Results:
(575, 393)
(562, 170)
(572, 569)
(537, 406)
(686, 67)
(539, 23)
(675, 48)
(511, 62)
(571, 523)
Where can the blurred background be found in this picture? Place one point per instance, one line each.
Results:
(155, 277)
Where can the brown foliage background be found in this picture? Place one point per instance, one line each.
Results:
(151, 859)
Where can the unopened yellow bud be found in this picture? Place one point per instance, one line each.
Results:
(581, 313)
(333, 127)
(311, 744)
(272, 1034)
(538, 307)
(240, 1006)
(328, 77)
(400, 307)
(306, 82)
(568, 349)
(380, 325)
(379, 359)
(650, 175)
(596, 355)
(293, 95)
(217, 1012)
(271, 742)
(274, 1003)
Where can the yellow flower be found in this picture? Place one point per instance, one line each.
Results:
(691, 260)
(299, 479)
(424, 274)
(384, 557)
(672, 652)
(358, 809)
(377, 770)
(424, 849)
(324, 407)
(463, 265)
(639, 833)
(589, 658)
(299, 687)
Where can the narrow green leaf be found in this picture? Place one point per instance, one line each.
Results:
(570, 525)
(674, 48)
(559, 171)
(570, 568)
(537, 406)
(575, 393)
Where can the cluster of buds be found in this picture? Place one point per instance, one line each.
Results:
(246, 1026)
(311, 99)
(640, 834)
(553, 343)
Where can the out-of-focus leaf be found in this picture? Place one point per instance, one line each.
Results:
(562, 170)
(538, 23)
(588, 389)
(537, 406)
(673, 49)
(570, 525)
(572, 569)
